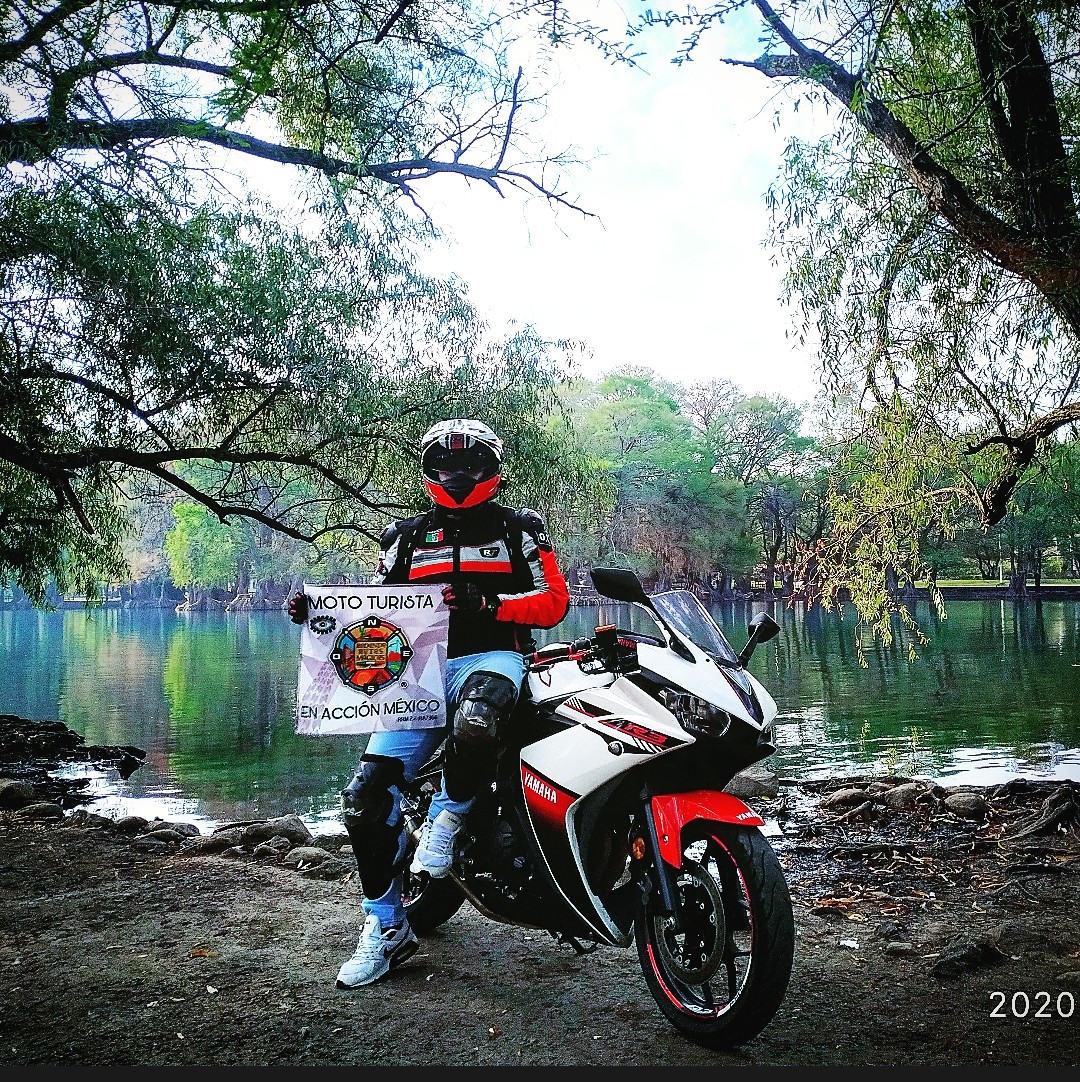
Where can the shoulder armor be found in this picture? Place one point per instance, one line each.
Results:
(530, 520)
(401, 528)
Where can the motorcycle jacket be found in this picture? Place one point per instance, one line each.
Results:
(506, 553)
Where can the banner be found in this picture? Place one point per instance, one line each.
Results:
(372, 658)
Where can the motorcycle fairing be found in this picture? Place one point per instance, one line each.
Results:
(673, 811)
(544, 799)
(550, 809)
(635, 734)
(610, 733)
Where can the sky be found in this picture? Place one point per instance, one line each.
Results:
(671, 274)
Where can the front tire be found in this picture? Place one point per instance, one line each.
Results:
(721, 978)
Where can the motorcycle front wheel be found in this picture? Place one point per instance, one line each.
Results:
(720, 977)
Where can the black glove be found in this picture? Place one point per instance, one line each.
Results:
(468, 597)
(298, 608)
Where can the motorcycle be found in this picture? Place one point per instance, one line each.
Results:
(607, 823)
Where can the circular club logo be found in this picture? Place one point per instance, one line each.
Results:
(371, 654)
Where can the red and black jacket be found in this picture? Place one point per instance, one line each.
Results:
(507, 553)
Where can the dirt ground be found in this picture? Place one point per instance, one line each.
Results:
(924, 938)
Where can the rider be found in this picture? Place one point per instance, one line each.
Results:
(500, 580)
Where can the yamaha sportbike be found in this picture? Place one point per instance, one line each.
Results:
(607, 823)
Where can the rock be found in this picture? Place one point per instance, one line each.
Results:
(223, 838)
(15, 794)
(961, 958)
(328, 869)
(903, 796)
(289, 826)
(146, 843)
(333, 843)
(189, 830)
(166, 834)
(83, 818)
(755, 782)
(967, 805)
(888, 929)
(276, 847)
(131, 824)
(899, 948)
(40, 812)
(306, 854)
(844, 798)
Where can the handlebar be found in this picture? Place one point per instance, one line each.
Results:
(605, 652)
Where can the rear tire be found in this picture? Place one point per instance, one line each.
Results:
(428, 902)
(720, 980)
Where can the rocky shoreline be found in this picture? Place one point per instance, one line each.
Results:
(934, 927)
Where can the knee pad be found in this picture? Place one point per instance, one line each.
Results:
(376, 833)
(483, 706)
(367, 799)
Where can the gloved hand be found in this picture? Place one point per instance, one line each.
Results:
(468, 597)
(298, 608)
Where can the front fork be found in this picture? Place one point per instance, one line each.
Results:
(663, 873)
(664, 818)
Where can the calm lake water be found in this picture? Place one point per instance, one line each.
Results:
(210, 698)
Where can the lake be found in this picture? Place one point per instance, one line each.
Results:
(210, 699)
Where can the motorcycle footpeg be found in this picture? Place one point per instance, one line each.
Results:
(579, 947)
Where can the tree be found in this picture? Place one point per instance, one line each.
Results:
(165, 333)
(931, 243)
(202, 551)
(754, 435)
(672, 516)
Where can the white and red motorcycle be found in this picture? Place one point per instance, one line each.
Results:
(607, 823)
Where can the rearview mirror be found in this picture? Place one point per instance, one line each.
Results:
(619, 584)
(762, 628)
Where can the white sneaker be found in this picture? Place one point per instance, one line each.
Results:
(435, 850)
(377, 953)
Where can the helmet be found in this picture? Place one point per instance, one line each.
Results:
(461, 461)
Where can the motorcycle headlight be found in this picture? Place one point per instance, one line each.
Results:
(696, 715)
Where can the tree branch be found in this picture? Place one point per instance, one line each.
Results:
(31, 141)
(1021, 448)
(1050, 271)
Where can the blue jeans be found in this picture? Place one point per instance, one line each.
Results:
(415, 746)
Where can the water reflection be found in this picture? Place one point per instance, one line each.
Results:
(210, 698)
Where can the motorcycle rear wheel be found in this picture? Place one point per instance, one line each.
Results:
(429, 903)
(722, 977)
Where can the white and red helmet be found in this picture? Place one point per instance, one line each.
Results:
(461, 462)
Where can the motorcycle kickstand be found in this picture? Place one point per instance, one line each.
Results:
(579, 947)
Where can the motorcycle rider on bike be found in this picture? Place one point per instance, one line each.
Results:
(500, 580)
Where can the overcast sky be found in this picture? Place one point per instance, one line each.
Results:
(672, 273)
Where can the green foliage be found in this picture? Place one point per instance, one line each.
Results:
(672, 514)
(40, 528)
(928, 244)
(164, 334)
(202, 550)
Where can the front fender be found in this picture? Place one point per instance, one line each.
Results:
(672, 811)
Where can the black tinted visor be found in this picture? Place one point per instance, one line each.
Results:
(472, 458)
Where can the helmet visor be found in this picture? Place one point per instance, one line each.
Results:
(477, 463)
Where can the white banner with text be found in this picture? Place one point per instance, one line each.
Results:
(372, 658)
